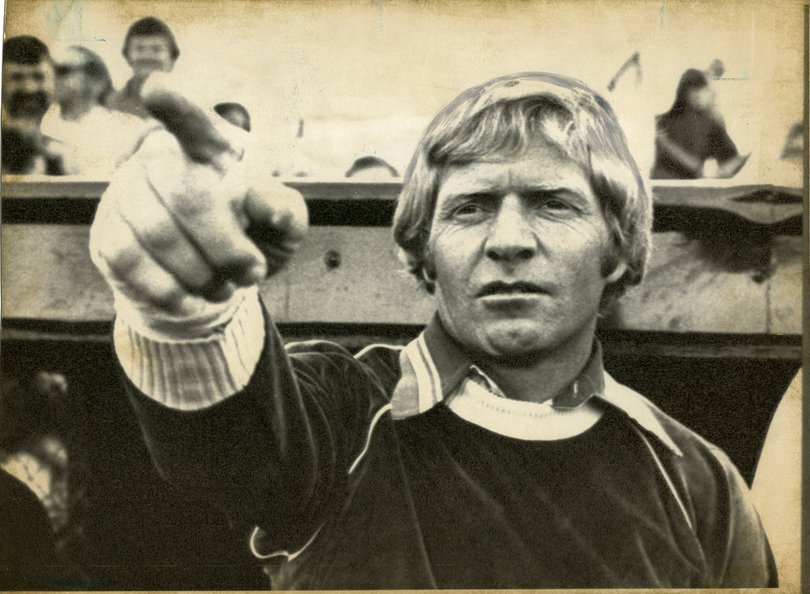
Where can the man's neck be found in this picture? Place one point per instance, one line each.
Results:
(135, 83)
(544, 376)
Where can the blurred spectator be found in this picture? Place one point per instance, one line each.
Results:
(27, 81)
(777, 486)
(92, 138)
(372, 168)
(27, 549)
(691, 139)
(794, 143)
(235, 113)
(148, 47)
(24, 154)
(36, 422)
(31, 444)
(28, 86)
(32, 451)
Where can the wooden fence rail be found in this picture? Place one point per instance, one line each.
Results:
(727, 262)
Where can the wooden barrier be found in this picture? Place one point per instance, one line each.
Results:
(727, 262)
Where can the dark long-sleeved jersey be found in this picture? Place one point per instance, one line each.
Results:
(359, 472)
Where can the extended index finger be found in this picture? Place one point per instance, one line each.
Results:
(199, 131)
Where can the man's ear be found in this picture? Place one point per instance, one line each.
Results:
(618, 271)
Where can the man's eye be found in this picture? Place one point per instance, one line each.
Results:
(549, 203)
(469, 209)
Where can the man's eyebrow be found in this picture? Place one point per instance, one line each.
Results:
(498, 190)
(462, 195)
(554, 190)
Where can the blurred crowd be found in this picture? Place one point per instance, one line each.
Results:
(62, 116)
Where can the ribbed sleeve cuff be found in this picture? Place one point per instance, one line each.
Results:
(196, 373)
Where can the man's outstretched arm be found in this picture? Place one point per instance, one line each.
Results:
(187, 228)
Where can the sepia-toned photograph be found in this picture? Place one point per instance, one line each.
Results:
(402, 295)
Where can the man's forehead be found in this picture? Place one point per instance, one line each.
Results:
(542, 162)
(151, 39)
(71, 57)
(17, 68)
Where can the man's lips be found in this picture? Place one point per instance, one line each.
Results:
(514, 288)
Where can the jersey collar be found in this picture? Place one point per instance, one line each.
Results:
(433, 366)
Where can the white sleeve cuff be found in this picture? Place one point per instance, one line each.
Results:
(194, 373)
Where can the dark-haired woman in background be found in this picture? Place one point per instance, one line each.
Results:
(692, 133)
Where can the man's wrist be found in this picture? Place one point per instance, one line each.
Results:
(193, 369)
(200, 318)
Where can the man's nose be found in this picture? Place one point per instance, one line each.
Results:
(511, 236)
(32, 85)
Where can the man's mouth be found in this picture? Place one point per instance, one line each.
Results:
(23, 104)
(515, 288)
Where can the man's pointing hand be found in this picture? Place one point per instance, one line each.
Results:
(192, 216)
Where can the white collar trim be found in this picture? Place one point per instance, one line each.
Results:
(520, 420)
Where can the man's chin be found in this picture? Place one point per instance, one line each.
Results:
(143, 73)
(516, 345)
(144, 70)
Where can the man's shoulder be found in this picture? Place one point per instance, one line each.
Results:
(694, 453)
(369, 353)
(378, 360)
(115, 98)
(382, 352)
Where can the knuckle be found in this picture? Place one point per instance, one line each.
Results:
(195, 277)
(123, 260)
(161, 236)
(190, 206)
(168, 299)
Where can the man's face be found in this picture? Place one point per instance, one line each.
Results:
(702, 98)
(149, 53)
(73, 84)
(27, 88)
(517, 247)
